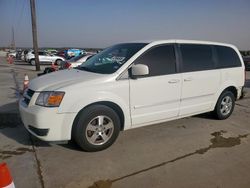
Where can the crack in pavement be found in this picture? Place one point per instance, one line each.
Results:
(39, 170)
(39, 167)
(241, 105)
(14, 74)
(218, 141)
(5, 154)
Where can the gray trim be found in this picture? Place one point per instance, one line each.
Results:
(156, 104)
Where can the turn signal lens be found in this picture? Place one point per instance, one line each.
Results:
(50, 98)
(55, 99)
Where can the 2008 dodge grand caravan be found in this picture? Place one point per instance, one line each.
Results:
(132, 85)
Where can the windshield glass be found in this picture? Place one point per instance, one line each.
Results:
(111, 59)
(76, 58)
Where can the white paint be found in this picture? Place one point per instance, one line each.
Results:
(10, 186)
(43, 58)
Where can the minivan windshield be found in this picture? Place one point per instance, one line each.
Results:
(111, 59)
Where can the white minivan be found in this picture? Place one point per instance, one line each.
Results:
(132, 85)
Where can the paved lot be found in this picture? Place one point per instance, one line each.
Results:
(191, 152)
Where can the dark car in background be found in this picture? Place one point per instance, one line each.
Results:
(75, 61)
(247, 62)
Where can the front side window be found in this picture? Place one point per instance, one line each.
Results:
(160, 60)
(111, 59)
(196, 57)
(227, 57)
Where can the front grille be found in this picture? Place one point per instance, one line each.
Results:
(27, 96)
(30, 92)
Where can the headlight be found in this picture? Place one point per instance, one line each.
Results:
(50, 98)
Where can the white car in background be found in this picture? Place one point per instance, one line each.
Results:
(44, 58)
(75, 61)
(12, 54)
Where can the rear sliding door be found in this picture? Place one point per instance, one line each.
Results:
(200, 79)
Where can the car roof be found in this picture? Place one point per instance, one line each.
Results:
(155, 42)
(192, 42)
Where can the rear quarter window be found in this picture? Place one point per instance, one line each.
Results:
(227, 57)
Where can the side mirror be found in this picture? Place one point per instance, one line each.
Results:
(139, 70)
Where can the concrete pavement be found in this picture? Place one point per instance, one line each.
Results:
(16, 147)
(191, 152)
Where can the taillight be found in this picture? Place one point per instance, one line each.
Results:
(67, 65)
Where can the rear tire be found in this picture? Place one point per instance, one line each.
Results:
(32, 62)
(96, 128)
(225, 105)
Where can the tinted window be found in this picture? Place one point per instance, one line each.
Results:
(160, 60)
(227, 57)
(196, 57)
(41, 53)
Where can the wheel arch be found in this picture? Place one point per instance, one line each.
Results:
(110, 104)
(56, 61)
(231, 88)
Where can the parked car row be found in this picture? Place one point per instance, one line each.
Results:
(44, 58)
(75, 61)
(67, 64)
(247, 62)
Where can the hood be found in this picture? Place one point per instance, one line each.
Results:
(56, 80)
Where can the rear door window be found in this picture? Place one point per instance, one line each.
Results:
(227, 57)
(196, 57)
(41, 53)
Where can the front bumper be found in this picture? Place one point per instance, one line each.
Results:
(46, 123)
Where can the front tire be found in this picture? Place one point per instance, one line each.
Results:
(225, 105)
(96, 128)
(58, 62)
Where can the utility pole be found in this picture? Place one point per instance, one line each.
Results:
(34, 33)
(13, 45)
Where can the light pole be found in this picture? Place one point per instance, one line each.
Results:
(34, 33)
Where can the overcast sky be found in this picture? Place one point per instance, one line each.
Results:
(100, 23)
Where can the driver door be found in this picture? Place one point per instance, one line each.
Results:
(156, 97)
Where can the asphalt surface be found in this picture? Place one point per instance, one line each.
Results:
(198, 151)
